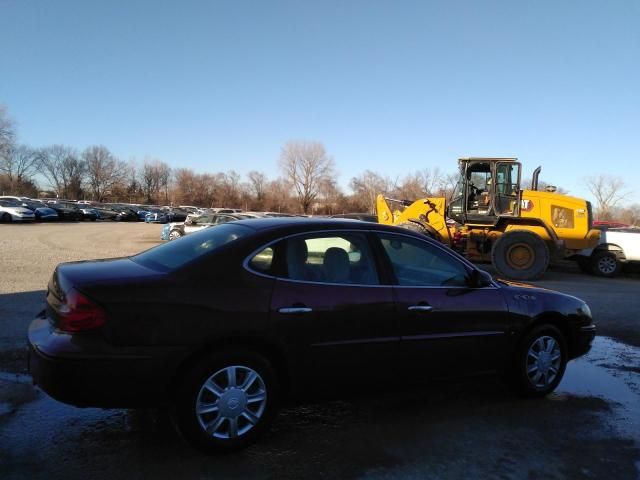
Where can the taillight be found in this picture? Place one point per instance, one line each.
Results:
(79, 313)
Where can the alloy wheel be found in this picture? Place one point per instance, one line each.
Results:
(607, 265)
(231, 402)
(543, 362)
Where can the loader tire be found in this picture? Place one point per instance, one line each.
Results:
(416, 227)
(520, 255)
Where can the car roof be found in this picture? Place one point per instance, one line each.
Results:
(302, 224)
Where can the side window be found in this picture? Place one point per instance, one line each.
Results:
(263, 261)
(416, 263)
(330, 258)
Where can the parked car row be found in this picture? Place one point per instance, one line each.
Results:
(24, 209)
(195, 222)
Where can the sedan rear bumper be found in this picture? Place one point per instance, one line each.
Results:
(104, 378)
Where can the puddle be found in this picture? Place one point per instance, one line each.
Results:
(459, 432)
(15, 377)
(608, 372)
(5, 408)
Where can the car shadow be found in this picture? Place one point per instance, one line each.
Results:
(17, 310)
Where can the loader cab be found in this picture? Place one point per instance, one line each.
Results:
(487, 189)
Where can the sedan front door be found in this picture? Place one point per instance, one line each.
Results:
(446, 326)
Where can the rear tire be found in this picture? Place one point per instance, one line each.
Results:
(520, 255)
(605, 264)
(540, 362)
(216, 410)
(174, 235)
(6, 218)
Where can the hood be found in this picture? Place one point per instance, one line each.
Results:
(16, 210)
(46, 211)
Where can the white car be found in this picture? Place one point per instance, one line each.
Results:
(11, 210)
(618, 246)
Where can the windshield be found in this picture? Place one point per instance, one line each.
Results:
(9, 202)
(178, 253)
(69, 206)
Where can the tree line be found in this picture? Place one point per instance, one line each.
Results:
(308, 182)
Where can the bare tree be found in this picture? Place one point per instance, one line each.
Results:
(185, 185)
(7, 132)
(150, 179)
(608, 191)
(430, 180)
(19, 163)
(229, 191)
(104, 171)
(306, 165)
(447, 186)
(277, 196)
(257, 184)
(365, 189)
(62, 168)
(164, 178)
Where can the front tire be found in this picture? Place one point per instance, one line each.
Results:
(540, 362)
(416, 227)
(174, 235)
(605, 264)
(520, 255)
(226, 401)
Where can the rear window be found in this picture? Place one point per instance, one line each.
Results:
(179, 252)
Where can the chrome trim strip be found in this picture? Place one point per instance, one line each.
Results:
(358, 341)
(588, 328)
(293, 310)
(451, 335)
(420, 308)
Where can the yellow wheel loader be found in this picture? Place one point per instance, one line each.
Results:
(490, 218)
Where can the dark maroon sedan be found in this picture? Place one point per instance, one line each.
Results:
(224, 324)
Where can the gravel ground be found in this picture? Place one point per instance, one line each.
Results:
(588, 429)
(30, 253)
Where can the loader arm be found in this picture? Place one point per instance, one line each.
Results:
(428, 212)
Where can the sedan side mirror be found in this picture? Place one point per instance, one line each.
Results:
(480, 279)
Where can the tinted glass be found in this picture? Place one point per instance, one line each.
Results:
(9, 202)
(177, 253)
(331, 258)
(262, 261)
(416, 263)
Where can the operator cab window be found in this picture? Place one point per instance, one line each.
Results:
(507, 183)
(479, 191)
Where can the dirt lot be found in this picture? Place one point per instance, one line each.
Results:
(590, 428)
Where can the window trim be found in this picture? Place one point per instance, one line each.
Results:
(364, 233)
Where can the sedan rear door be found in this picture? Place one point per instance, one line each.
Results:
(329, 306)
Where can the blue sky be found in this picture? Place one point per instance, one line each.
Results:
(391, 86)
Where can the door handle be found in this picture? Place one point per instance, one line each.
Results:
(293, 310)
(420, 308)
